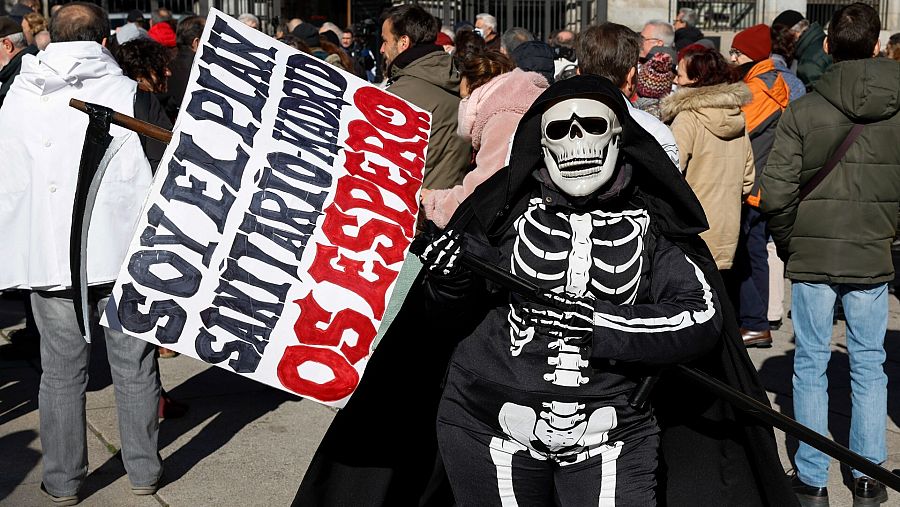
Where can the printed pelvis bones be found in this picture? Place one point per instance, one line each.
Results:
(580, 140)
(562, 431)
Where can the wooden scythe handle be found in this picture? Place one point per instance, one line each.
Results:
(141, 127)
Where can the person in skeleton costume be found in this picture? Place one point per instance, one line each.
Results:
(537, 395)
(531, 400)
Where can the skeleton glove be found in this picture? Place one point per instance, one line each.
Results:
(442, 256)
(570, 318)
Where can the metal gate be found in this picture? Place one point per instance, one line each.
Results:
(261, 9)
(820, 11)
(723, 15)
(145, 6)
(540, 17)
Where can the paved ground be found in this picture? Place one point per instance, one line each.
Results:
(775, 367)
(245, 444)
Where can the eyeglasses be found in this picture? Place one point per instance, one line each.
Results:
(735, 52)
(650, 39)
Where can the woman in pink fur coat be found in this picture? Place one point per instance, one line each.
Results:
(495, 96)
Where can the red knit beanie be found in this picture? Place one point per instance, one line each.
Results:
(163, 33)
(755, 42)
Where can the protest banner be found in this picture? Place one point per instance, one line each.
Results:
(279, 219)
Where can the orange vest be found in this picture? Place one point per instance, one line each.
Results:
(770, 96)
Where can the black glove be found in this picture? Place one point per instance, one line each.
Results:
(441, 257)
(446, 281)
(569, 318)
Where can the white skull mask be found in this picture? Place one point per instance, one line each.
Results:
(580, 138)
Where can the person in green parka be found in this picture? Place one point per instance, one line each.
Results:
(811, 58)
(423, 73)
(836, 242)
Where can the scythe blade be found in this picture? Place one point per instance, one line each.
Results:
(99, 148)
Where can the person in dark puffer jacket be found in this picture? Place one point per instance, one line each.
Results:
(187, 38)
(535, 56)
(836, 242)
(811, 58)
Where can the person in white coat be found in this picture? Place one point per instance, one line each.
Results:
(611, 51)
(37, 189)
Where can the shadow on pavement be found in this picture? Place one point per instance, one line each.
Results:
(776, 373)
(102, 476)
(18, 396)
(16, 459)
(221, 402)
(224, 403)
(12, 308)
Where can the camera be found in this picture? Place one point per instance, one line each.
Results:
(364, 29)
(563, 52)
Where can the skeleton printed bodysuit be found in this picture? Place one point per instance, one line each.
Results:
(528, 397)
(531, 396)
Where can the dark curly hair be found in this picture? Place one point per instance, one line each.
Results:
(468, 43)
(294, 42)
(145, 59)
(784, 41)
(478, 69)
(707, 66)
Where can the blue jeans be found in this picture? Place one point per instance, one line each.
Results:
(866, 310)
(65, 357)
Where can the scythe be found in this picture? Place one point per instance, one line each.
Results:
(99, 148)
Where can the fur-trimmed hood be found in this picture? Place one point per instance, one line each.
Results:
(717, 107)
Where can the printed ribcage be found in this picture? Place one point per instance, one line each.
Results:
(571, 251)
(596, 254)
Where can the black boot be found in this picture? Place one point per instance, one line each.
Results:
(868, 492)
(809, 496)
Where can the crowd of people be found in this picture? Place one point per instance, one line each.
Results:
(738, 130)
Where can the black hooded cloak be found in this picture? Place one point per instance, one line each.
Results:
(381, 448)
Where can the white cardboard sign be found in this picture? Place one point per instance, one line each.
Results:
(279, 218)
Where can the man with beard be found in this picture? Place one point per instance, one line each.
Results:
(421, 72)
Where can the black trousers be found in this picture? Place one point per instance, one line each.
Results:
(486, 470)
(751, 269)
